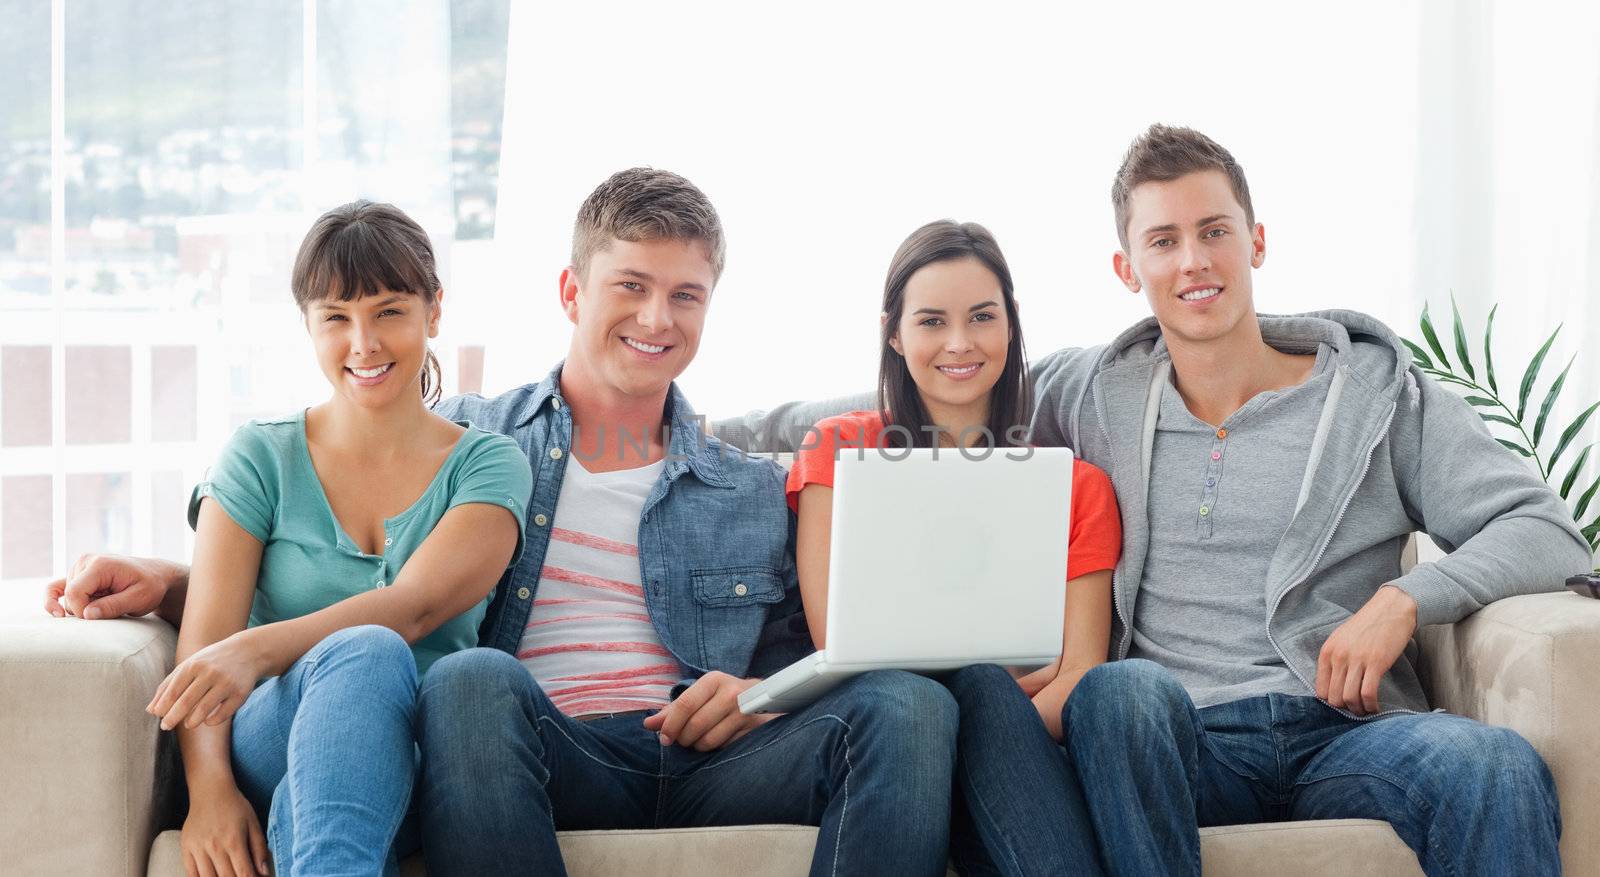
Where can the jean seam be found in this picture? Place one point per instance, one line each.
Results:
(972, 800)
(838, 838)
(587, 754)
(775, 741)
(661, 782)
(1417, 801)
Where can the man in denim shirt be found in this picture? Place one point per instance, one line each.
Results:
(506, 763)
(657, 583)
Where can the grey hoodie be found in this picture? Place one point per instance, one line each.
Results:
(1394, 453)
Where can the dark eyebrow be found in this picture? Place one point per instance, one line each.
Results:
(1173, 226)
(640, 275)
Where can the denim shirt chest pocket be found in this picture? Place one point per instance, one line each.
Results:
(732, 605)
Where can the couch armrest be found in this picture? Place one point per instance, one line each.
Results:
(1527, 663)
(78, 754)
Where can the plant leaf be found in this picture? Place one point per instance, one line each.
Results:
(1592, 530)
(1532, 374)
(1449, 378)
(1516, 447)
(1461, 339)
(1417, 352)
(1482, 402)
(1572, 474)
(1550, 401)
(1501, 418)
(1583, 501)
(1570, 434)
(1432, 337)
(1488, 354)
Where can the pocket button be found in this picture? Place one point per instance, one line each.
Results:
(740, 590)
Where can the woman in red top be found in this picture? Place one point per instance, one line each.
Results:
(952, 370)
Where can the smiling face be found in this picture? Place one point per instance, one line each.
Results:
(953, 333)
(639, 311)
(1191, 250)
(372, 349)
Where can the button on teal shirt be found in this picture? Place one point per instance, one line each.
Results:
(267, 485)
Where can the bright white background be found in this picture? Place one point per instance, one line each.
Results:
(1396, 152)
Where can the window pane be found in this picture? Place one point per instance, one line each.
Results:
(172, 394)
(25, 521)
(99, 395)
(99, 514)
(174, 111)
(25, 152)
(477, 103)
(169, 514)
(24, 396)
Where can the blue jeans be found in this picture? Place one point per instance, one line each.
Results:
(1019, 807)
(1467, 798)
(327, 754)
(503, 770)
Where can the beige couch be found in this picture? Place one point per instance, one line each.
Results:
(81, 791)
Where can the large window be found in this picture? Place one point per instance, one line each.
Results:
(161, 162)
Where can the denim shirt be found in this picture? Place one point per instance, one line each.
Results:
(716, 538)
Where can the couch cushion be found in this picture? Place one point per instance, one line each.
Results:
(1334, 847)
(77, 751)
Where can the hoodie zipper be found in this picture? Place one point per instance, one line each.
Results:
(1116, 605)
(1321, 550)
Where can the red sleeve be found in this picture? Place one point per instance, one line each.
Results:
(1095, 542)
(813, 461)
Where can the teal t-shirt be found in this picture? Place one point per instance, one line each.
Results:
(267, 485)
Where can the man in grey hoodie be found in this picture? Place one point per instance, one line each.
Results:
(1269, 471)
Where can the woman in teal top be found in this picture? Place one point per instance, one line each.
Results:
(346, 549)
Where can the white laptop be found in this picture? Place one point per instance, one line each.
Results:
(938, 560)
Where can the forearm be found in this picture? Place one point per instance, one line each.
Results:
(207, 757)
(171, 608)
(1087, 627)
(280, 644)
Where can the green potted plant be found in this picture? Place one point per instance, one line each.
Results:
(1507, 416)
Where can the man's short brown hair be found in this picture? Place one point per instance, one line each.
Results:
(1164, 153)
(645, 204)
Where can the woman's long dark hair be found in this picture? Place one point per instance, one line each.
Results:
(361, 249)
(1011, 398)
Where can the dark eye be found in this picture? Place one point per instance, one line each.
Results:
(1163, 243)
(1216, 232)
(631, 285)
(931, 321)
(331, 317)
(387, 311)
(982, 317)
(685, 296)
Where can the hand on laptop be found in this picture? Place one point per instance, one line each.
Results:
(1363, 648)
(706, 716)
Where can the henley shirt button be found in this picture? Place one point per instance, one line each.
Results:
(1211, 482)
(380, 583)
(541, 520)
(555, 453)
(1216, 455)
(555, 403)
(1222, 433)
(388, 540)
(522, 593)
(1204, 511)
(740, 590)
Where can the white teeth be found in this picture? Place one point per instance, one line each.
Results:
(1201, 294)
(371, 372)
(947, 369)
(647, 348)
